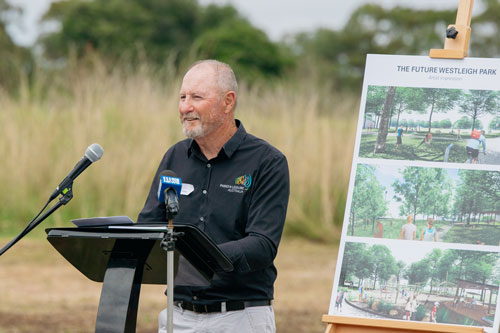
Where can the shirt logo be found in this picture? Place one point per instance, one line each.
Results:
(245, 180)
(241, 184)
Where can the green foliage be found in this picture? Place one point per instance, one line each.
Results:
(162, 31)
(495, 123)
(368, 201)
(340, 55)
(475, 103)
(15, 61)
(115, 27)
(420, 313)
(445, 123)
(384, 307)
(237, 42)
(421, 191)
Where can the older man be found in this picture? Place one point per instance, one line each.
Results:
(240, 197)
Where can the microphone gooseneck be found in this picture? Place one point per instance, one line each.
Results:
(92, 154)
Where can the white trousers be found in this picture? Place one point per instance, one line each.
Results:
(256, 319)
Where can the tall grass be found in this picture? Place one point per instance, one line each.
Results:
(133, 115)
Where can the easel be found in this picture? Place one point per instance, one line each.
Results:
(455, 47)
(339, 324)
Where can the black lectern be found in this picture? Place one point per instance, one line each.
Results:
(124, 257)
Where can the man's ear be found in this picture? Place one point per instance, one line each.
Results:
(229, 101)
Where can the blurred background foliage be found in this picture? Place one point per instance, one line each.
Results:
(113, 60)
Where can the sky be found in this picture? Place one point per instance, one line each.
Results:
(276, 17)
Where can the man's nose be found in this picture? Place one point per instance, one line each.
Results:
(185, 105)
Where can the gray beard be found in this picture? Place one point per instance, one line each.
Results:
(193, 133)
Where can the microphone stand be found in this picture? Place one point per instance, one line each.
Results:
(168, 245)
(67, 195)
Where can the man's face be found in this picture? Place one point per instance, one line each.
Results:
(201, 107)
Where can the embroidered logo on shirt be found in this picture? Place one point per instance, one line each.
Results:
(245, 180)
(241, 184)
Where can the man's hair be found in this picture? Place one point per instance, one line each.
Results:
(226, 80)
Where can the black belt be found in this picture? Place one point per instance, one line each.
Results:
(219, 307)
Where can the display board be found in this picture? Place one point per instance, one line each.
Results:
(421, 233)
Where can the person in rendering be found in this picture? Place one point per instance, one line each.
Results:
(399, 137)
(428, 138)
(429, 234)
(238, 196)
(472, 146)
(434, 311)
(482, 139)
(414, 306)
(409, 230)
(379, 230)
(339, 300)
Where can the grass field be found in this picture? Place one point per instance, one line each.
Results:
(412, 149)
(487, 234)
(41, 292)
(133, 115)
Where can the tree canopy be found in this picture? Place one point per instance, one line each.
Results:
(162, 31)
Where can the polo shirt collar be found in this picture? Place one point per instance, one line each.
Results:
(229, 147)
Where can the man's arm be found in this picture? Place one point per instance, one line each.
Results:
(266, 218)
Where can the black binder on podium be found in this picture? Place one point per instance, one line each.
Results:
(125, 256)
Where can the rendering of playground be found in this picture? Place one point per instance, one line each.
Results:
(431, 124)
(410, 282)
(417, 203)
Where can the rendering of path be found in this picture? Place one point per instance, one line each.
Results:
(492, 152)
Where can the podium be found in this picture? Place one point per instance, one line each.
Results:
(124, 257)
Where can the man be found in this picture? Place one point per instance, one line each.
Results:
(240, 197)
(409, 230)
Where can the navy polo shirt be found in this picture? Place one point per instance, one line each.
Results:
(239, 199)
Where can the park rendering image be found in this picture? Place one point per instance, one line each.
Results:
(421, 230)
(464, 205)
(434, 123)
(408, 282)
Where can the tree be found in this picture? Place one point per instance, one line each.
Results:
(463, 123)
(384, 264)
(340, 55)
(494, 123)
(350, 261)
(406, 100)
(418, 272)
(445, 123)
(384, 121)
(400, 266)
(375, 98)
(438, 196)
(115, 27)
(368, 197)
(412, 190)
(439, 100)
(476, 103)
(472, 193)
(15, 61)
(161, 31)
(254, 56)
(433, 260)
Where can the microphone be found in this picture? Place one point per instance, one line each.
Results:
(92, 154)
(169, 191)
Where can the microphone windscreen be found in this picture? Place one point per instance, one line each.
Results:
(168, 179)
(94, 152)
